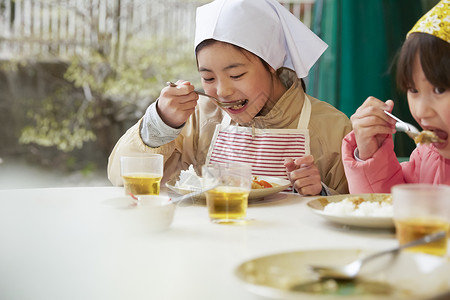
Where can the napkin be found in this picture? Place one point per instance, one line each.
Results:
(189, 179)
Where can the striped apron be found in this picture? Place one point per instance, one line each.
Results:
(264, 149)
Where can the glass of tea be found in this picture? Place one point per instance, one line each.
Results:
(142, 174)
(419, 210)
(227, 201)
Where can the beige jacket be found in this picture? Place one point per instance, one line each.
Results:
(327, 128)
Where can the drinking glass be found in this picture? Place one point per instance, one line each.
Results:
(142, 174)
(227, 201)
(419, 210)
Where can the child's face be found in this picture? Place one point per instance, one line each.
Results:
(430, 107)
(232, 74)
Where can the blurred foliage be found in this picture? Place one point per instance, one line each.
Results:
(109, 93)
(85, 103)
(60, 121)
(137, 78)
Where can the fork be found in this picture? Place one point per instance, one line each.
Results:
(402, 126)
(220, 103)
(351, 270)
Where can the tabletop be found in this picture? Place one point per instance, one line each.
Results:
(61, 243)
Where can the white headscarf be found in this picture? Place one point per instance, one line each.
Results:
(263, 27)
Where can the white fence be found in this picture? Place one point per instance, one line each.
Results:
(59, 29)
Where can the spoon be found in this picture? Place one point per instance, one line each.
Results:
(422, 137)
(351, 270)
(180, 198)
(220, 103)
(176, 199)
(193, 194)
(402, 126)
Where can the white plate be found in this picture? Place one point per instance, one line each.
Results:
(318, 204)
(254, 193)
(261, 193)
(404, 276)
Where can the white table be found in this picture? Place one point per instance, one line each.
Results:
(58, 244)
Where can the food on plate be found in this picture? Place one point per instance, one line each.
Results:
(358, 206)
(189, 179)
(427, 137)
(261, 184)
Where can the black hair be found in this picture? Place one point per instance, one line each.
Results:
(434, 56)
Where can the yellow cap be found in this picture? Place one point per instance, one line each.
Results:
(435, 22)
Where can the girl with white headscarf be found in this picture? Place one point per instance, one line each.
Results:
(250, 53)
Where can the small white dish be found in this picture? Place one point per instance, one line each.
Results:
(318, 204)
(282, 184)
(150, 213)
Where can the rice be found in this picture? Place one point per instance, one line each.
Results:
(350, 207)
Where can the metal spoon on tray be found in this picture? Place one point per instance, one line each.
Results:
(220, 103)
(193, 194)
(351, 270)
(180, 198)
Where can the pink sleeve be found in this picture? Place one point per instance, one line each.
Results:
(375, 175)
(425, 165)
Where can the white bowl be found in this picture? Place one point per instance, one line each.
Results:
(151, 213)
(157, 211)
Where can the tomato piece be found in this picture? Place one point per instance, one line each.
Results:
(265, 184)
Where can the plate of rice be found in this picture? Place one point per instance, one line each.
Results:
(361, 210)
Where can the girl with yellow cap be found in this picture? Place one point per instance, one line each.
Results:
(423, 72)
(251, 53)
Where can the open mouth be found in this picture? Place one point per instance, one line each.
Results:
(433, 136)
(440, 134)
(239, 104)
